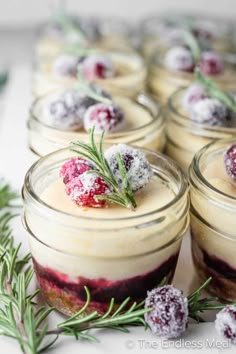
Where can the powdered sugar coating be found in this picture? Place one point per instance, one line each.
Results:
(193, 94)
(65, 65)
(104, 117)
(230, 161)
(169, 315)
(84, 189)
(97, 67)
(179, 58)
(225, 323)
(209, 111)
(74, 167)
(138, 168)
(64, 111)
(211, 63)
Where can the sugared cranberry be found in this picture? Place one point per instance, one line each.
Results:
(64, 111)
(96, 67)
(193, 94)
(211, 63)
(136, 164)
(104, 117)
(74, 168)
(87, 101)
(230, 161)
(209, 111)
(169, 315)
(180, 59)
(65, 65)
(225, 323)
(84, 189)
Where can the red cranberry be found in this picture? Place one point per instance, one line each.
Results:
(225, 323)
(230, 161)
(73, 168)
(169, 315)
(211, 63)
(193, 94)
(104, 117)
(137, 166)
(180, 59)
(209, 111)
(96, 67)
(84, 189)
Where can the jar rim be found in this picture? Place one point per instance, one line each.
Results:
(29, 189)
(197, 171)
(184, 120)
(146, 101)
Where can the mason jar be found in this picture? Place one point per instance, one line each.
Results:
(130, 78)
(213, 222)
(105, 33)
(163, 82)
(145, 126)
(184, 136)
(121, 253)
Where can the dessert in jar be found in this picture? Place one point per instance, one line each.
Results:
(67, 115)
(212, 178)
(118, 72)
(64, 29)
(173, 67)
(161, 31)
(196, 116)
(119, 239)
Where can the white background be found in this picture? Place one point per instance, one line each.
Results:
(29, 12)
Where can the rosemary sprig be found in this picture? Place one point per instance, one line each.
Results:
(114, 318)
(6, 195)
(20, 319)
(89, 89)
(214, 91)
(122, 195)
(3, 79)
(193, 45)
(68, 24)
(197, 305)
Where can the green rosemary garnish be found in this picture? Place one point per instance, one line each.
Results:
(89, 89)
(193, 45)
(214, 91)
(3, 79)
(197, 305)
(68, 24)
(6, 195)
(122, 195)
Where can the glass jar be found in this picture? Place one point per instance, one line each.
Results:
(163, 82)
(147, 131)
(213, 225)
(185, 137)
(113, 256)
(161, 31)
(105, 33)
(130, 79)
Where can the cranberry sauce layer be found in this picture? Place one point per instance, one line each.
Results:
(223, 275)
(68, 296)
